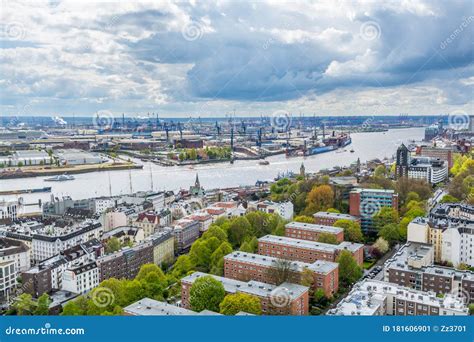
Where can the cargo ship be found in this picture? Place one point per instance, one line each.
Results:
(331, 143)
(340, 140)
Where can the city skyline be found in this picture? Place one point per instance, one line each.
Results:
(209, 60)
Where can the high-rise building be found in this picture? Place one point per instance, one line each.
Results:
(365, 203)
(403, 162)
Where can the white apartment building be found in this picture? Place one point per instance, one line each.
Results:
(49, 272)
(14, 258)
(81, 278)
(457, 245)
(113, 219)
(373, 297)
(8, 210)
(101, 204)
(52, 240)
(284, 209)
(433, 171)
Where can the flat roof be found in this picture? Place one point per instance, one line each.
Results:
(314, 227)
(382, 191)
(320, 266)
(317, 246)
(334, 215)
(252, 287)
(409, 251)
(366, 296)
(151, 307)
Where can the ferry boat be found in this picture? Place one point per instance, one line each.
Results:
(60, 178)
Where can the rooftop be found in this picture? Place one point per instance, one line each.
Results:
(317, 246)
(379, 191)
(410, 252)
(256, 288)
(151, 307)
(334, 215)
(315, 227)
(366, 297)
(319, 266)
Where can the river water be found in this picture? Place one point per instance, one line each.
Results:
(245, 172)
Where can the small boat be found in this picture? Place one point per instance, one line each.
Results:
(263, 162)
(352, 150)
(60, 178)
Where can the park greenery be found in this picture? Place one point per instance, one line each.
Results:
(112, 295)
(207, 153)
(25, 305)
(461, 186)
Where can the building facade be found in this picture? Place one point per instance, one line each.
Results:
(306, 251)
(328, 219)
(312, 232)
(372, 297)
(295, 297)
(247, 266)
(14, 258)
(81, 278)
(365, 203)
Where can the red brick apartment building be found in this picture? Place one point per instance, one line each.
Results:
(311, 232)
(328, 219)
(248, 266)
(286, 299)
(306, 251)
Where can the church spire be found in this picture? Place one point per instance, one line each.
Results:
(197, 184)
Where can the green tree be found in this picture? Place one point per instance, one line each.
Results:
(281, 271)
(246, 247)
(349, 271)
(304, 219)
(200, 254)
(153, 285)
(413, 196)
(24, 305)
(76, 307)
(206, 294)
(449, 199)
(385, 216)
(42, 305)
(259, 223)
(217, 258)
(327, 238)
(390, 232)
(182, 266)
(380, 171)
(235, 303)
(381, 245)
(319, 198)
(112, 245)
(239, 228)
(150, 268)
(215, 231)
(352, 230)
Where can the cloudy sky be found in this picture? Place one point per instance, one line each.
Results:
(211, 58)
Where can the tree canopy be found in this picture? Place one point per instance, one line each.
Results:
(206, 293)
(235, 303)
